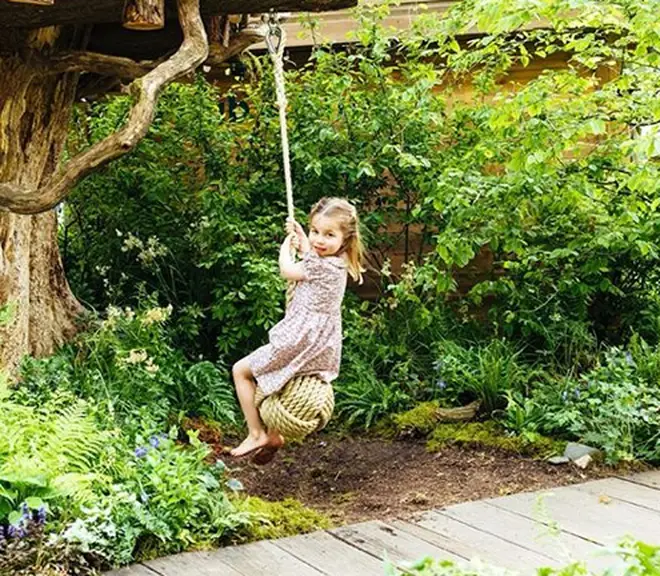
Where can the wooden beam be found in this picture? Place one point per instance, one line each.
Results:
(144, 14)
(14, 15)
(37, 2)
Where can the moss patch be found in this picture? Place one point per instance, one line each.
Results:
(280, 519)
(421, 420)
(492, 435)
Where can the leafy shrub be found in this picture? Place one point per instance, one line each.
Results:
(388, 363)
(48, 456)
(127, 364)
(613, 406)
(183, 217)
(165, 499)
(115, 490)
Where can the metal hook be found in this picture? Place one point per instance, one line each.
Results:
(274, 31)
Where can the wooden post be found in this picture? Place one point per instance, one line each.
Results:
(214, 29)
(144, 14)
(37, 2)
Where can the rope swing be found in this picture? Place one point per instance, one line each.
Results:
(305, 403)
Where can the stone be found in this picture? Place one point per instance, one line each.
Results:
(583, 461)
(575, 451)
(556, 460)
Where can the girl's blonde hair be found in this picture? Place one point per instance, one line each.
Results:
(349, 223)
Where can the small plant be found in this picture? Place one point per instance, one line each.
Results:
(613, 406)
(638, 558)
(50, 454)
(522, 416)
(26, 549)
(487, 372)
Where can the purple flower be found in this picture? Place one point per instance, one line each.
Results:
(441, 384)
(154, 441)
(25, 509)
(629, 359)
(140, 452)
(576, 393)
(11, 531)
(41, 515)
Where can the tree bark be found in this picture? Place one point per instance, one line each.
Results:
(144, 14)
(21, 198)
(34, 117)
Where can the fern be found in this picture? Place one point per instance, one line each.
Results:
(73, 440)
(50, 455)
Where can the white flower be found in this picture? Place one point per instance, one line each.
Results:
(151, 367)
(135, 356)
(132, 242)
(155, 315)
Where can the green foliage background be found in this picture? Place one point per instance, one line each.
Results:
(556, 180)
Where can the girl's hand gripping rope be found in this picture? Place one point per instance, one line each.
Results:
(298, 234)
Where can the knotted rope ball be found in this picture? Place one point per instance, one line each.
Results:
(304, 405)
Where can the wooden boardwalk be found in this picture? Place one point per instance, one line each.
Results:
(521, 532)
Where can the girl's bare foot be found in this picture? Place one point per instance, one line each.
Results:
(251, 444)
(267, 452)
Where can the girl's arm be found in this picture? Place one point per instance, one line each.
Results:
(289, 269)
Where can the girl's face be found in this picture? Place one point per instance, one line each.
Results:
(325, 235)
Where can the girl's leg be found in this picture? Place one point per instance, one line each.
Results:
(245, 389)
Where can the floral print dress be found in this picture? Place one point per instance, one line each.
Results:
(308, 339)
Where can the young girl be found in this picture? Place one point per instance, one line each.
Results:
(308, 339)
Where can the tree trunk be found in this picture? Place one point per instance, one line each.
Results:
(34, 115)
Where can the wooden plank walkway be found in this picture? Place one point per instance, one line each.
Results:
(521, 532)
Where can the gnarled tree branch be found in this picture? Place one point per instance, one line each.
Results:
(126, 68)
(145, 91)
(251, 34)
(103, 64)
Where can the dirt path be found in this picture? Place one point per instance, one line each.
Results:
(355, 479)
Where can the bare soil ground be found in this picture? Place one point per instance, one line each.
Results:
(364, 478)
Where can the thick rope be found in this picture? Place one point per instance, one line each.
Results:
(305, 403)
(277, 56)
